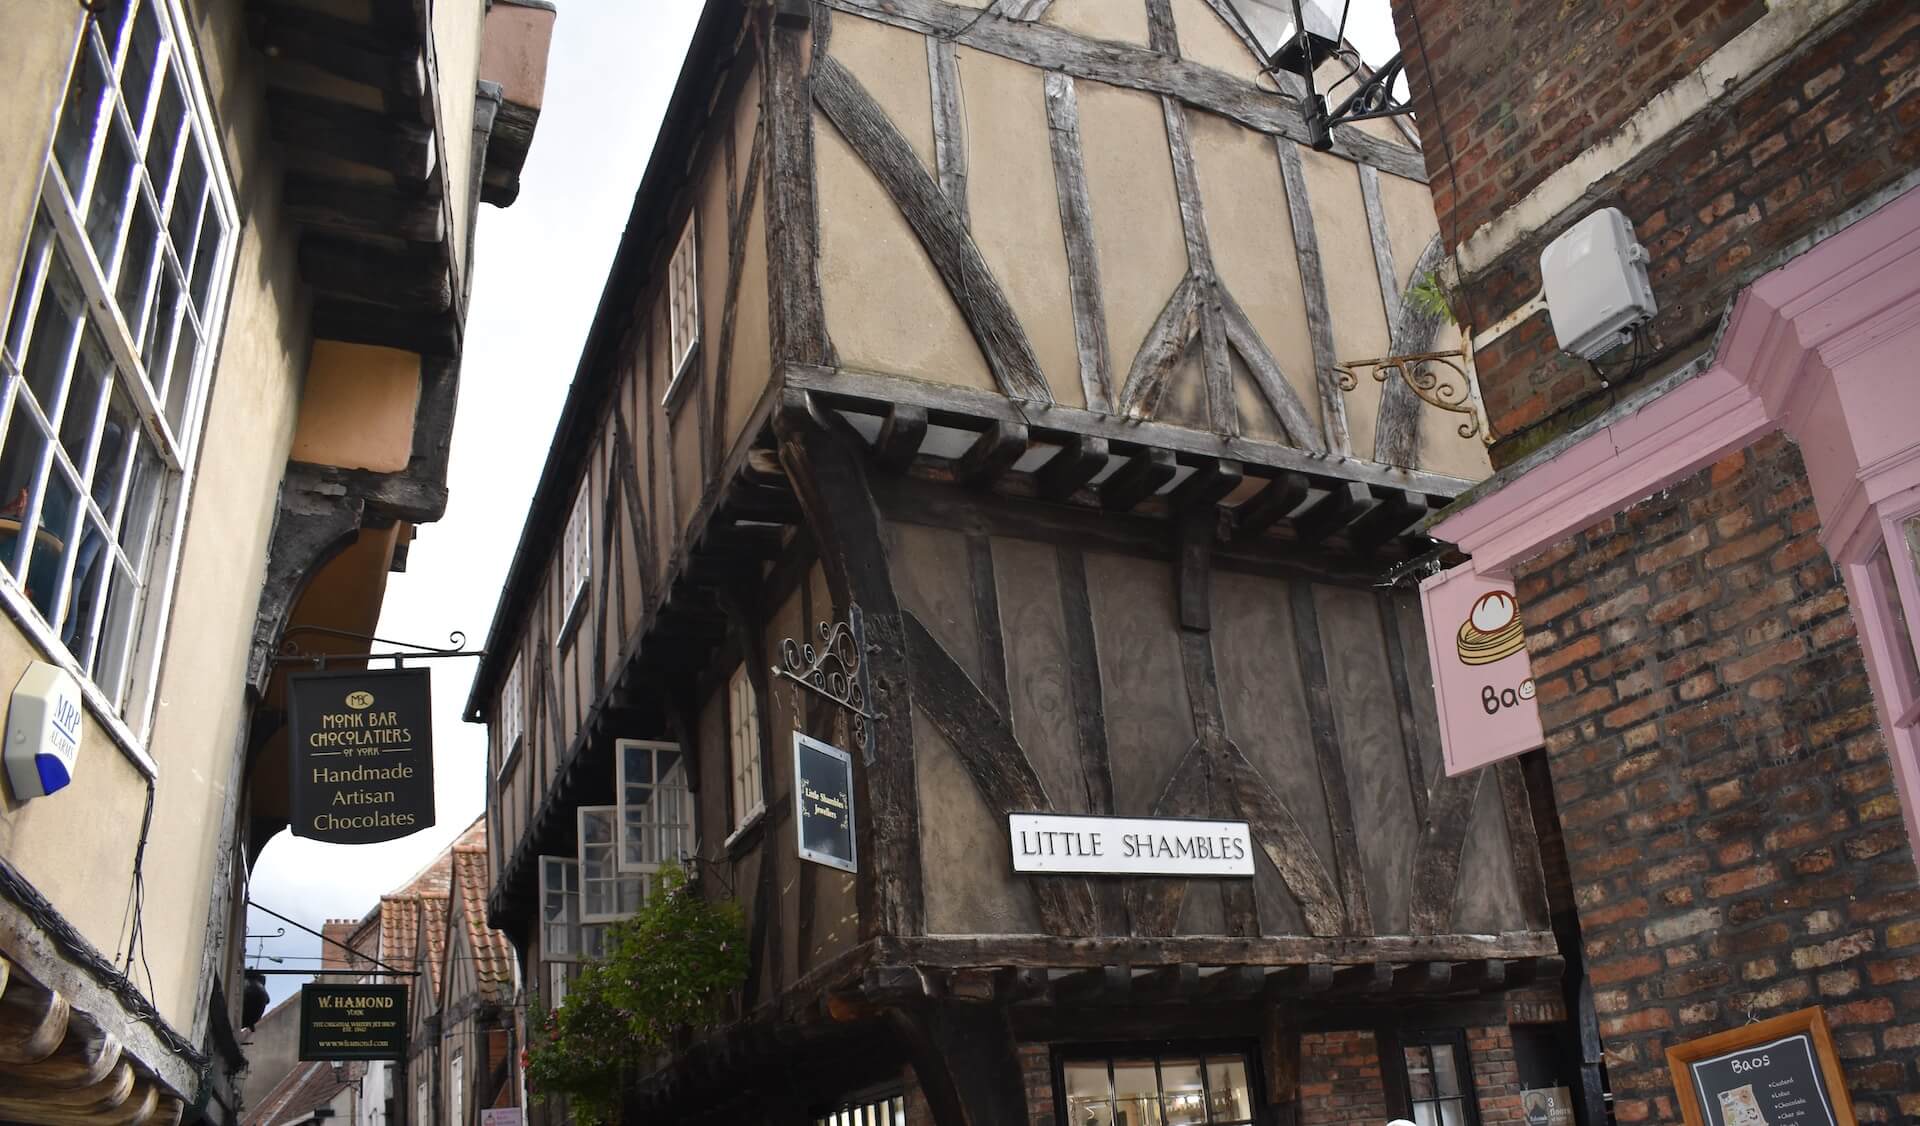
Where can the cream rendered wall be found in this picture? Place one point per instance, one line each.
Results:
(457, 28)
(39, 39)
(77, 846)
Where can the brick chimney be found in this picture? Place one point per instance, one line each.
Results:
(332, 958)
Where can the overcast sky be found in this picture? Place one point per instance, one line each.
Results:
(539, 267)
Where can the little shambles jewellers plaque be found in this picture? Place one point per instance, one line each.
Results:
(361, 748)
(353, 1022)
(1778, 1072)
(1129, 846)
(823, 802)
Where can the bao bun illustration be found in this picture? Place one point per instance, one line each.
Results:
(1492, 630)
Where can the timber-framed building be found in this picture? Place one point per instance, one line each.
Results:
(1016, 326)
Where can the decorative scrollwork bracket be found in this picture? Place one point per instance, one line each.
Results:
(1426, 374)
(834, 667)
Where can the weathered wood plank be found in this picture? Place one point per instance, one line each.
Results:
(828, 474)
(1382, 246)
(1282, 495)
(1161, 34)
(992, 454)
(1411, 734)
(346, 207)
(1313, 281)
(34, 1019)
(857, 389)
(1153, 905)
(1083, 256)
(986, 620)
(624, 457)
(1138, 68)
(1173, 330)
(1267, 375)
(1278, 833)
(997, 763)
(1205, 487)
(798, 319)
(1326, 751)
(1048, 952)
(1067, 471)
(964, 1060)
(1328, 515)
(1138, 479)
(738, 219)
(890, 157)
(1523, 842)
(949, 124)
(1436, 863)
(1414, 329)
(1083, 676)
(901, 433)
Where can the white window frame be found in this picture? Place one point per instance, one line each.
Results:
(745, 761)
(512, 713)
(168, 425)
(560, 884)
(456, 1089)
(878, 1110)
(559, 982)
(628, 891)
(576, 557)
(683, 297)
(423, 1099)
(656, 818)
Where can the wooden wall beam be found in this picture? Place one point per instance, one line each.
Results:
(1313, 280)
(992, 454)
(901, 433)
(871, 392)
(1326, 749)
(1069, 470)
(1083, 255)
(1138, 68)
(797, 313)
(1281, 496)
(359, 136)
(949, 123)
(1141, 477)
(1413, 328)
(939, 227)
(994, 758)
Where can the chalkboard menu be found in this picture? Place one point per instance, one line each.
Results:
(1778, 1072)
(361, 754)
(353, 1022)
(823, 802)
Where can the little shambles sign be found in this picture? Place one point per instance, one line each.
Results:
(353, 1022)
(1129, 846)
(823, 802)
(362, 754)
(1778, 1072)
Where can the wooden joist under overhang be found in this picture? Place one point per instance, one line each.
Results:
(1254, 492)
(352, 102)
(58, 1065)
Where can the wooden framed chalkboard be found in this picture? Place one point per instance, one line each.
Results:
(1769, 1073)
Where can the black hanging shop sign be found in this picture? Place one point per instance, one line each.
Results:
(361, 753)
(823, 803)
(353, 1022)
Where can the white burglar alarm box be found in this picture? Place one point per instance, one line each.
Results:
(43, 731)
(1595, 278)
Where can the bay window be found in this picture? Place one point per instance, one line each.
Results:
(106, 351)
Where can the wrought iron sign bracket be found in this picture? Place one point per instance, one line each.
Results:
(1425, 374)
(835, 669)
(291, 653)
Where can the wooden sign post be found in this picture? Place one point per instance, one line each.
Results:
(1768, 1072)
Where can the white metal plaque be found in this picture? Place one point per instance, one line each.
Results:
(1129, 846)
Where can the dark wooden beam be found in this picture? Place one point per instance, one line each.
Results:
(1207, 485)
(303, 122)
(1083, 256)
(361, 53)
(1331, 513)
(417, 281)
(900, 436)
(367, 210)
(1141, 477)
(1076, 463)
(1261, 511)
(992, 454)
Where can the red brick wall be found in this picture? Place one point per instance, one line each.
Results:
(1732, 831)
(1036, 1068)
(1512, 120)
(1340, 1079)
(1496, 1076)
(1714, 202)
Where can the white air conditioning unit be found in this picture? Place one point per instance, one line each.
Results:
(1595, 278)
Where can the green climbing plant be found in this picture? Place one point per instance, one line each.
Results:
(670, 966)
(1430, 296)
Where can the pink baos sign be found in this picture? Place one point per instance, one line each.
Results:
(1482, 679)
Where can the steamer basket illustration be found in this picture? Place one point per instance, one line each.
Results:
(1492, 631)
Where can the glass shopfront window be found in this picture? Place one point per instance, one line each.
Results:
(1200, 1088)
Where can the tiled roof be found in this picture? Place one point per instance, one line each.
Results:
(305, 1088)
(492, 953)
